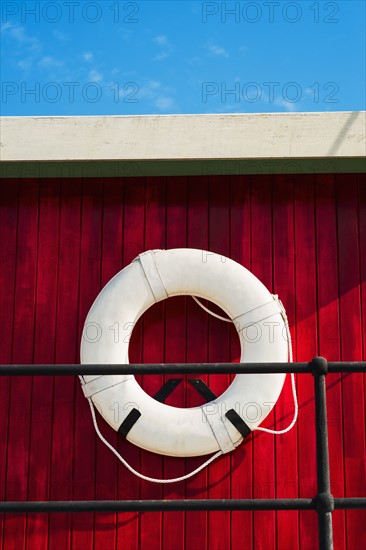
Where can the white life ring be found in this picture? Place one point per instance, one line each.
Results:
(154, 276)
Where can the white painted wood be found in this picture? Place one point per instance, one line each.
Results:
(184, 137)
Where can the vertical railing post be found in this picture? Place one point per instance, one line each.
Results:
(324, 498)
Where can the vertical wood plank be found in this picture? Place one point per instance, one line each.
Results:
(306, 346)
(351, 350)
(84, 435)
(329, 336)
(264, 481)
(44, 352)
(241, 476)
(286, 450)
(23, 352)
(175, 351)
(219, 338)
(197, 350)
(66, 351)
(151, 463)
(9, 191)
(106, 463)
(129, 486)
(362, 247)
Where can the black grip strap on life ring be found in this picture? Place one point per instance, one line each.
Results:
(238, 423)
(128, 422)
(160, 395)
(202, 388)
(231, 415)
(167, 389)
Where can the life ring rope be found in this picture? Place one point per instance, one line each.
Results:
(293, 383)
(129, 467)
(219, 453)
(226, 319)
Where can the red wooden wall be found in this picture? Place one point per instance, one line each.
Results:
(304, 236)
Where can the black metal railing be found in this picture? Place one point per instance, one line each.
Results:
(323, 503)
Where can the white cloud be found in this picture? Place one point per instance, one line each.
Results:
(61, 36)
(154, 84)
(95, 76)
(161, 39)
(19, 35)
(164, 103)
(21, 43)
(161, 56)
(217, 50)
(309, 91)
(25, 64)
(50, 62)
(87, 56)
(5, 26)
(28, 51)
(148, 92)
(195, 60)
(166, 51)
(157, 95)
(288, 105)
(126, 34)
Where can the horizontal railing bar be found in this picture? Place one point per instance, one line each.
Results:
(351, 503)
(157, 505)
(174, 505)
(347, 366)
(174, 368)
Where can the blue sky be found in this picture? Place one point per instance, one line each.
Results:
(161, 57)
